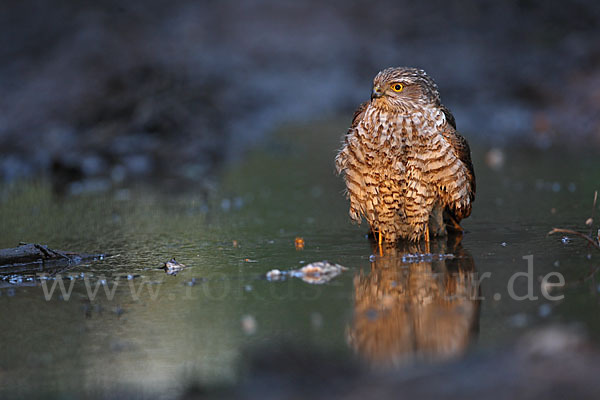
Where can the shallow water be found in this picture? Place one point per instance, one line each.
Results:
(148, 332)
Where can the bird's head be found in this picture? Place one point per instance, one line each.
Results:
(403, 88)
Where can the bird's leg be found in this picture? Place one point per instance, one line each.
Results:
(427, 249)
(374, 232)
(379, 242)
(454, 225)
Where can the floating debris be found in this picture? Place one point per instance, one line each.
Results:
(299, 243)
(426, 257)
(503, 244)
(172, 267)
(315, 273)
(274, 274)
(248, 260)
(565, 240)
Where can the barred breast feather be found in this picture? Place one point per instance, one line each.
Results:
(402, 166)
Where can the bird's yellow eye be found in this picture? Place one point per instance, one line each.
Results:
(397, 87)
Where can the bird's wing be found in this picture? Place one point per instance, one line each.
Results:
(460, 145)
(463, 152)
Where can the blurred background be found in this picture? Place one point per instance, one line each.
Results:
(228, 114)
(111, 91)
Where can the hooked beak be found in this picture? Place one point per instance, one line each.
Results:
(376, 93)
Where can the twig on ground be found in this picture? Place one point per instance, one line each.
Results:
(591, 219)
(572, 232)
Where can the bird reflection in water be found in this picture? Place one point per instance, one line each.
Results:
(415, 307)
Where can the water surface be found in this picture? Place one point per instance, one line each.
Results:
(153, 333)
